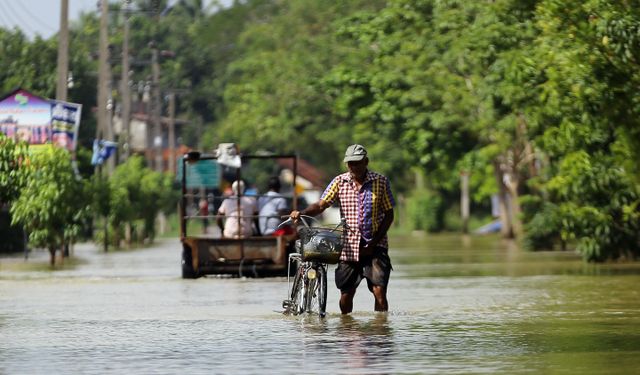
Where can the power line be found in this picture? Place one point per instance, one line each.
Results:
(19, 21)
(35, 18)
(4, 20)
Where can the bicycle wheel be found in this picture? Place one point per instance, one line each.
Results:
(322, 291)
(316, 293)
(297, 292)
(311, 295)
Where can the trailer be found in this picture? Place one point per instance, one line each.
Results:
(204, 250)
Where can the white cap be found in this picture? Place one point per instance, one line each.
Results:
(235, 185)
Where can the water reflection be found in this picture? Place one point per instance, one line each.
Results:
(464, 305)
(368, 341)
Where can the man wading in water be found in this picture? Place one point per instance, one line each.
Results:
(366, 202)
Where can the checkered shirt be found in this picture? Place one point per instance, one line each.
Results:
(363, 208)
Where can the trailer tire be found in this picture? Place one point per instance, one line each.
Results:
(187, 264)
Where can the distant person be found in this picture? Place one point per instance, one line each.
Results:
(271, 207)
(203, 207)
(239, 213)
(366, 202)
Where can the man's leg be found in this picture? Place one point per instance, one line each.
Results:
(380, 294)
(348, 278)
(377, 274)
(346, 301)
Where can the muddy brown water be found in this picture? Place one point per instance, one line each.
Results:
(458, 305)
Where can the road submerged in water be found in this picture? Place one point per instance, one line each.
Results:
(458, 305)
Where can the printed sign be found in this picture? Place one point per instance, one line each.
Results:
(27, 117)
(65, 120)
(38, 121)
(203, 173)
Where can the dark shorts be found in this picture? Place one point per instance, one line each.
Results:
(376, 268)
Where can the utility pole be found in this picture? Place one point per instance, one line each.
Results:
(172, 133)
(155, 104)
(464, 200)
(104, 130)
(63, 51)
(124, 82)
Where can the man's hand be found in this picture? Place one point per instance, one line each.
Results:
(295, 216)
(368, 248)
(313, 210)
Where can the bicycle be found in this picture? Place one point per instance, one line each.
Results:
(317, 247)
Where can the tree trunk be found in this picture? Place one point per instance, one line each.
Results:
(116, 238)
(106, 235)
(464, 200)
(516, 210)
(52, 256)
(127, 234)
(162, 223)
(528, 153)
(506, 228)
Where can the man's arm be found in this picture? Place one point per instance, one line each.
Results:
(256, 220)
(220, 217)
(220, 222)
(312, 210)
(382, 230)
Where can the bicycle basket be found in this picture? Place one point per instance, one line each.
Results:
(320, 245)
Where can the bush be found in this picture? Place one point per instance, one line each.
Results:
(426, 211)
(133, 196)
(544, 228)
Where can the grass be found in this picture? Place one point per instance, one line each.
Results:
(37, 264)
(173, 227)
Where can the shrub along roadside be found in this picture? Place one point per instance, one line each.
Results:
(53, 203)
(130, 201)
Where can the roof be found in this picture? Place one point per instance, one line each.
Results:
(306, 171)
(19, 89)
(163, 119)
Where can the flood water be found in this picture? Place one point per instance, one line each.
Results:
(458, 305)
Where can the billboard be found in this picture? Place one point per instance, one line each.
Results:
(203, 173)
(39, 121)
(26, 117)
(65, 121)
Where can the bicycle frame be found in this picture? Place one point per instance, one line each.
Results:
(309, 286)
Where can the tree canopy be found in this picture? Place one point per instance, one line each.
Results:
(537, 99)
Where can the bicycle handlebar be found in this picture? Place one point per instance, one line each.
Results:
(343, 222)
(290, 220)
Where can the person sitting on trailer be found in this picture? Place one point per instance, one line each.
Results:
(239, 212)
(272, 206)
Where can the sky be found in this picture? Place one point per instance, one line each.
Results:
(40, 16)
(43, 16)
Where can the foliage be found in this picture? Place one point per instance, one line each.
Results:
(13, 168)
(27, 64)
(543, 224)
(534, 98)
(13, 178)
(275, 86)
(134, 193)
(52, 205)
(588, 104)
(426, 211)
(598, 206)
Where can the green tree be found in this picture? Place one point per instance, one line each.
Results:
(13, 168)
(13, 178)
(53, 203)
(430, 90)
(136, 193)
(101, 204)
(27, 64)
(588, 53)
(275, 85)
